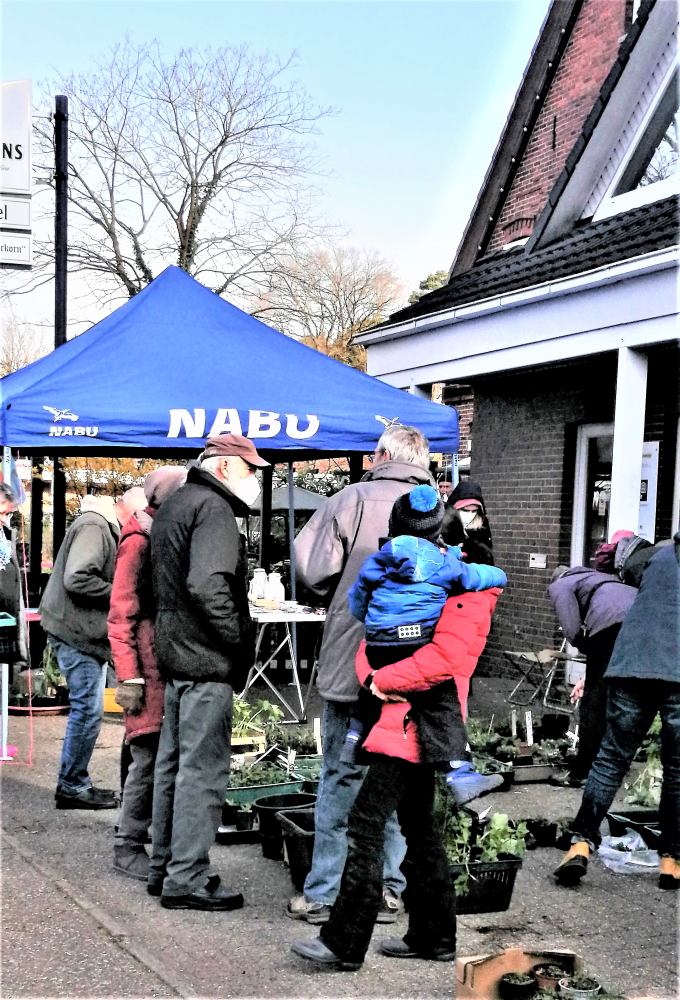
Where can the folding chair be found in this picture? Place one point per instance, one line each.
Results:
(540, 671)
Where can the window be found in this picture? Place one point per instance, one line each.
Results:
(656, 156)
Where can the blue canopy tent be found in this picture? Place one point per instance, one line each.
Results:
(177, 364)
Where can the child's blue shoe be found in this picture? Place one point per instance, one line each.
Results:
(466, 784)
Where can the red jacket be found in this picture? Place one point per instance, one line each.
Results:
(131, 623)
(459, 639)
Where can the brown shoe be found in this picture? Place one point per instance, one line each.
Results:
(669, 872)
(574, 864)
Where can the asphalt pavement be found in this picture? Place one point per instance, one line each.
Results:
(71, 927)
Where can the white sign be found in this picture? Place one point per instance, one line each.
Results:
(16, 249)
(15, 135)
(15, 213)
(648, 482)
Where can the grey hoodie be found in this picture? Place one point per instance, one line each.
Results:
(329, 552)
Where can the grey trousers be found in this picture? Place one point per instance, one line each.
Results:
(192, 769)
(135, 813)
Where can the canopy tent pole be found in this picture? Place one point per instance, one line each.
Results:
(356, 468)
(291, 550)
(60, 293)
(266, 517)
(35, 553)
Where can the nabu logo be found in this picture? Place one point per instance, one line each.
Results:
(387, 422)
(66, 430)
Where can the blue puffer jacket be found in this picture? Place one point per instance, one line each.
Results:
(408, 581)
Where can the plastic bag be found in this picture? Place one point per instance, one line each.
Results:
(628, 855)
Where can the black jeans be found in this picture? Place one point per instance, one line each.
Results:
(409, 788)
(631, 707)
(592, 713)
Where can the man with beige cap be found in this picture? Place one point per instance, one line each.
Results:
(204, 645)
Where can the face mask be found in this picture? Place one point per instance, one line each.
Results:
(470, 519)
(247, 489)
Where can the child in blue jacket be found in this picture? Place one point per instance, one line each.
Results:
(399, 595)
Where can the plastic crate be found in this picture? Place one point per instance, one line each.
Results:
(297, 826)
(246, 794)
(491, 885)
(643, 821)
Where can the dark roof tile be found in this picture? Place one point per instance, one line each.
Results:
(589, 245)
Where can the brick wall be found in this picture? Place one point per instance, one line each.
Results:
(588, 58)
(525, 446)
(462, 398)
(524, 457)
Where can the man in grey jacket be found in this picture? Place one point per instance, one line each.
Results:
(73, 613)
(329, 551)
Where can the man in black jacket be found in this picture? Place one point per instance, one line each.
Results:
(204, 647)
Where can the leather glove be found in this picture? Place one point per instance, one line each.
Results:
(130, 697)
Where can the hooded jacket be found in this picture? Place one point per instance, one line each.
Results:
(76, 599)
(203, 627)
(329, 552)
(131, 623)
(648, 645)
(407, 583)
(587, 602)
(459, 640)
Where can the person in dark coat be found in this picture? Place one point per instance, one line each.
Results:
(643, 678)
(73, 613)
(140, 689)
(590, 605)
(204, 644)
(465, 520)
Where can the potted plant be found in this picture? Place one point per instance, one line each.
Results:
(548, 976)
(258, 781)
(579, 987)
(517, 985)
(485, 856)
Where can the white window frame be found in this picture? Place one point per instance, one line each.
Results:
(612, 204)
(584, 435)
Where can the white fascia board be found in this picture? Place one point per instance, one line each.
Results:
(638, 312)
(570, 348)
(657, 260)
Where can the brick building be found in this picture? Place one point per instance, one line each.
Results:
(556, 334)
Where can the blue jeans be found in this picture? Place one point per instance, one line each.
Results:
(631, 707)
(339, 786)
(85, 677)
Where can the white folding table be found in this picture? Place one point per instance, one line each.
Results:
(265, 618)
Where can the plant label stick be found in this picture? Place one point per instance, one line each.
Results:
(317, 734)
(513, 723)
(529, 727)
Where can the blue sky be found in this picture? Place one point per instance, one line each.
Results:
(421, 90)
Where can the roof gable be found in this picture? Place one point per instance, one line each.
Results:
(577, 45)
(633, 90)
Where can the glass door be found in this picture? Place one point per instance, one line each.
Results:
(592, 491)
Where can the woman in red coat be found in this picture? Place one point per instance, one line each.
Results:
(396, 779)
(140, 689)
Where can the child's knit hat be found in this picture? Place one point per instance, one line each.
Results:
(419, 512)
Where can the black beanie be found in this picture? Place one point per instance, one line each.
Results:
(419, 512)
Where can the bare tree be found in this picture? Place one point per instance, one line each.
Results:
(329, 295)
(20, 345)
(200, 161)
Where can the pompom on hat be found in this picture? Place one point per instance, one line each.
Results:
(419, 512)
